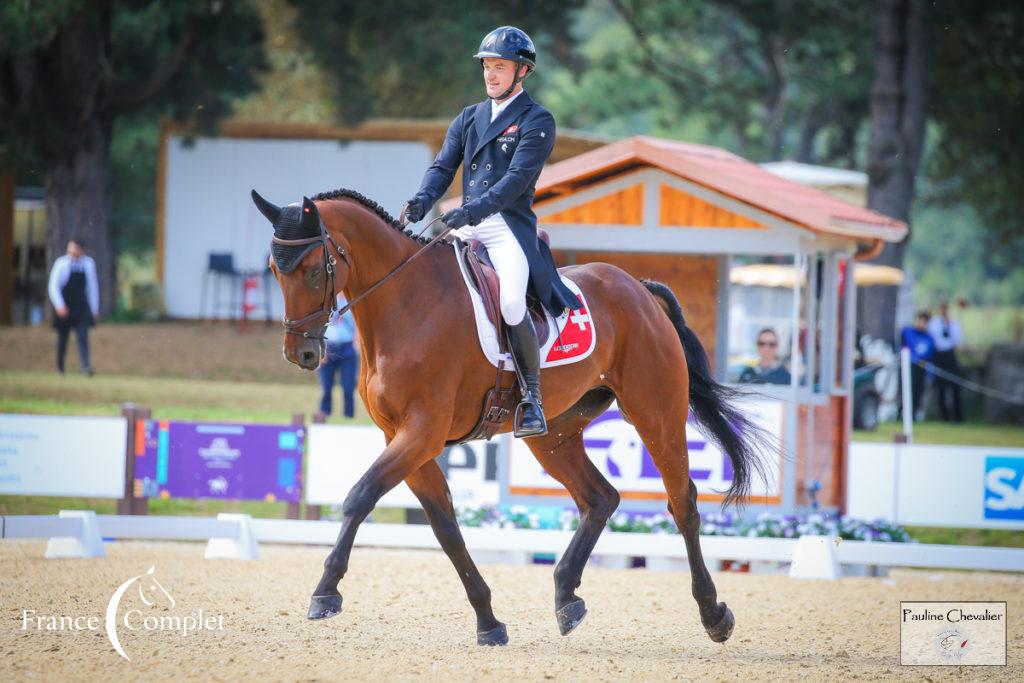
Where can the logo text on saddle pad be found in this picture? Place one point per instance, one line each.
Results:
(575, 338)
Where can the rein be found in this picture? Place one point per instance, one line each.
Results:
(330, 302)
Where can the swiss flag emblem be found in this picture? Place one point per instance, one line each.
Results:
(576, 337)
(511, 129)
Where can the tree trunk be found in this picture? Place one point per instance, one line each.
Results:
(898, 112)
(78, 205)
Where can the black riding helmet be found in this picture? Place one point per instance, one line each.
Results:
(511, 43)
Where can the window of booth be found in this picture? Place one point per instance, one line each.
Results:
(784, 323)
(759, 323)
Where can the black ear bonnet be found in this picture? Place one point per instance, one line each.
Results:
(292, 222)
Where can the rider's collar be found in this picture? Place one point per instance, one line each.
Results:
(498, 107)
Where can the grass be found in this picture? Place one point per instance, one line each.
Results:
(965, 434)
(40, 392)
(995, 538)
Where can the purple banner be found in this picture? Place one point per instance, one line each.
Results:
(226, 461)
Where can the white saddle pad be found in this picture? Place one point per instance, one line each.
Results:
(576, 336)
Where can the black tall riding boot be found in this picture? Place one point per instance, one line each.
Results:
(529, 416)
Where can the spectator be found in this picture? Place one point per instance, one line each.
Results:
(922, 348)
(340, 359)
(948, 337)
(769, 369)
(75, 294)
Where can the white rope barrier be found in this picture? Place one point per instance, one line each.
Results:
(968, 384)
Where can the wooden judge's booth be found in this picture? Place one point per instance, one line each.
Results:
(686, 215)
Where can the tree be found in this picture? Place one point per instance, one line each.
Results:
(978, 107)
(772, 79)
(70, 68)
(899, 109)
(410, 59)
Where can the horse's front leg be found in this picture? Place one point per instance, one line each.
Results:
(413, 444)
(431, 488)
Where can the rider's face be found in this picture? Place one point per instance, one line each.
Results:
(498, 75)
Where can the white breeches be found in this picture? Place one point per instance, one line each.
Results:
(509, 262)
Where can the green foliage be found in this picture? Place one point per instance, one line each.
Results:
(414, 59)
(133, 161)
(950, 258)
(24, 25)
(66, 66)
(768, 80)
(978, 104)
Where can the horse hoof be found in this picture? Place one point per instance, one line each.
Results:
(324, 606)
(570, 616)
(721, 631)
(496, 636)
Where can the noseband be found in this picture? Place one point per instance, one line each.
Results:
(330, 302)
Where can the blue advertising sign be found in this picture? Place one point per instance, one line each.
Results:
(1004, 487)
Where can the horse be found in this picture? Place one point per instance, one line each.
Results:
(423, 376)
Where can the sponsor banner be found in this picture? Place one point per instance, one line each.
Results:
(50, 455)
(954, 633)
(208, 460)
(924, 485)
(616, 450)
(339, 455)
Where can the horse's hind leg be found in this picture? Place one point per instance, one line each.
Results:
(716, 617)
(431, 488)
(561, 453)
(658, 404)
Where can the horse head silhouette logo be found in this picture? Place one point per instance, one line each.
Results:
(151, 592)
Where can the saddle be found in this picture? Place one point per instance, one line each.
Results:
(501, 399)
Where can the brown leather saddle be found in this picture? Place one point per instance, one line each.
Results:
(501, 399)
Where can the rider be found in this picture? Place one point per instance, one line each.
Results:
(502, 144)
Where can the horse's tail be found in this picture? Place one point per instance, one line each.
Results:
(714, 404)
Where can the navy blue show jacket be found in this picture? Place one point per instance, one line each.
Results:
(501, 163)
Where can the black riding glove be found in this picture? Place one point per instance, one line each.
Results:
(456, 218)
(414, 210)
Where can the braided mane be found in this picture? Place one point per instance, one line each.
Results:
(373, 206)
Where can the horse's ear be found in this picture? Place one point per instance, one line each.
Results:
(266, 208)
(310, 216)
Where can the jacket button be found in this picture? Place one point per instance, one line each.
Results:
(488, 167)
(473, 167)
(472, 183)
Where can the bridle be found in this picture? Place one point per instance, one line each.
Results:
(330, 303)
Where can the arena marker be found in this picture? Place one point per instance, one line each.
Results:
(242, 546)
(88, 544)
(815, 558)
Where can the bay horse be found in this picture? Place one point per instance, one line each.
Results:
(423, 376)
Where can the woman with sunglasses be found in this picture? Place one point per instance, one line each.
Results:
(769, 369)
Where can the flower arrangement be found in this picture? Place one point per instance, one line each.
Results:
(764, 525)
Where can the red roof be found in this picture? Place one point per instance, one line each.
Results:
(728, 174)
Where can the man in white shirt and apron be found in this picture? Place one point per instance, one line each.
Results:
(75, 294)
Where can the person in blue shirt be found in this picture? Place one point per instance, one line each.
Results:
(339, 359)
(922, 350)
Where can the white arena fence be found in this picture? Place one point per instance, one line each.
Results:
(234, 536)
